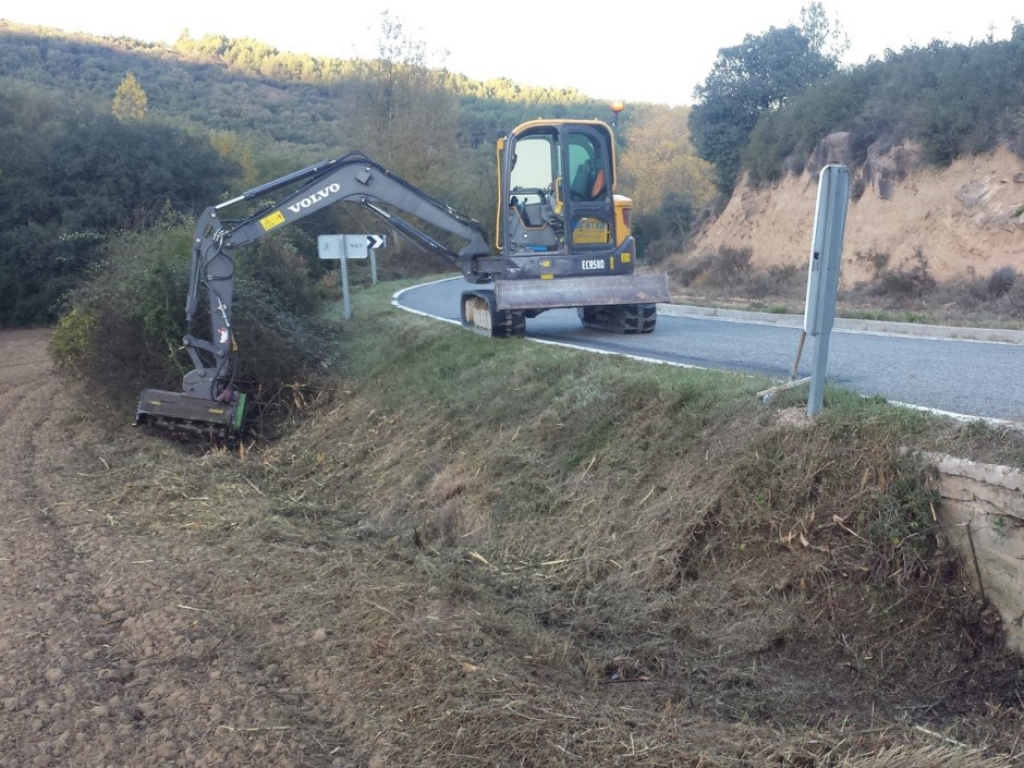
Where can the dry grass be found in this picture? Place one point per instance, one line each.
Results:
(599, 563)
(904, 293)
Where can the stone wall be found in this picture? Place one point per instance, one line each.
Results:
(982, 514)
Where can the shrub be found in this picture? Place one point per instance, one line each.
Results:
(1000, 282)
(122, 328)
(122, 325)
(909, 281)
(715, 269)
(858, 189)
(1011, 303)
(729, 271)
(873, 258)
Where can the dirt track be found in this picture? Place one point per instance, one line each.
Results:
(111, 652)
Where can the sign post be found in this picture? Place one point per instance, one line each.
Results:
(373, 242)
(823, 275)
(345, 247)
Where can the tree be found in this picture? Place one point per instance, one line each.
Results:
(130, 100)
(660, 170)
(825, 36)
(76, 175)
(747, 81)
(408, 114)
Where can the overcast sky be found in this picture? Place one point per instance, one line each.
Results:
(634, 51)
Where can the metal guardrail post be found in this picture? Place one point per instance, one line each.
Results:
(823, 275)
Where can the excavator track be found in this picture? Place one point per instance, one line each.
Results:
(621, 318)
(480, 314)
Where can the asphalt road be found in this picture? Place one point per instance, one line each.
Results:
(955, 371)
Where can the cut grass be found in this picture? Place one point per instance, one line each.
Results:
(529, 555)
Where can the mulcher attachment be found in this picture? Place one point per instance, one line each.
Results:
(179, 412)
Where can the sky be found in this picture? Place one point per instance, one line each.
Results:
(638, 51)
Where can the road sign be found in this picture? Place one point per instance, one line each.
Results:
(349, 246)
(826, 249)
(331, 246)
(355, 247)
(345, 247)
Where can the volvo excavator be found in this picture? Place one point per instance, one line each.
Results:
(562, 240)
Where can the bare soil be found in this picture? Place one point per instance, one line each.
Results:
(113, 650)
(963, 221)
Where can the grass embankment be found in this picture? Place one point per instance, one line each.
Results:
(483, 552)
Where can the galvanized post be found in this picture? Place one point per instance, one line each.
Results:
(346, 302)
(823, 275)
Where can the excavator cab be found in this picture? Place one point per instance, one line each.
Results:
(533, 204)
(555, 180)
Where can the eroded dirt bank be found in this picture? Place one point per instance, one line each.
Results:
(959, 221)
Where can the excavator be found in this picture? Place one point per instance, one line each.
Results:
(562, 239)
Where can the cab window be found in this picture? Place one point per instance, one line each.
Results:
(535, 163)
(587, 180)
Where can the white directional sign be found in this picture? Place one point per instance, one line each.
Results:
(355, 247)
(345, 247)
(331, 246)
(349, 246)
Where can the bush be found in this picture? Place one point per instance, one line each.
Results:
(1000, 293)
(1000, 282)
(911, 280)
(873, 258)
(778, 280)
(122, 325)
(716, 269)
(122, 328)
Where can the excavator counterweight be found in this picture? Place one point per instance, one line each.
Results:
(582, 291)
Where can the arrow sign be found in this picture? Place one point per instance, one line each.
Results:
(349, 246)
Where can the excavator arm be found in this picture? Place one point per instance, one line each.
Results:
(208, 401)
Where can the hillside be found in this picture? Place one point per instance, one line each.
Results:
(965, 220)
(285, 104)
